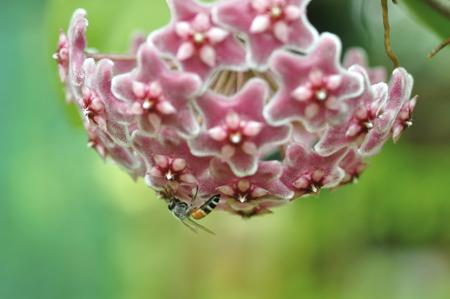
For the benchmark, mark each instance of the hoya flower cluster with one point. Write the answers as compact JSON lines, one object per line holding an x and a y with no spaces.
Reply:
{"x":242,"y":98}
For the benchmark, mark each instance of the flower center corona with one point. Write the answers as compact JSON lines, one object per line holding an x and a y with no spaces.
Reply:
{"x":276,"y":12}
{"x":148,"y":104}
{"x":321,"y":94}
{"x":236,"y":138}
{"x":198,"y":38}
{"x":169,"y":175}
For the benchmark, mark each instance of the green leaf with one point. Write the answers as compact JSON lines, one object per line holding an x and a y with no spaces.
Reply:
{"x":430,"y":17}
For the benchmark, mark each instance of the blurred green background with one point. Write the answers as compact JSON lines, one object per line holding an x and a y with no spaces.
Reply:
{"x":72,"y":226}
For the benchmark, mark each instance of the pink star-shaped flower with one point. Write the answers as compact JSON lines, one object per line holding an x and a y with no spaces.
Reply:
{"x":363,"y":112}
{"x":158,"y":96}
{"x":359,"y":56}
{"x":306,"y":172}
{"x":313,"y":87}
{"x":236,"y":131}
{"x":170,"y":165}
{"x":198,"y":43}
{"x":400,"y":89}
{"x":269,"y":25}
{"x":252,"y":194}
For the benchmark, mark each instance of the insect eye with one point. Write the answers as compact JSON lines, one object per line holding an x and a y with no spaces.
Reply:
{"x":172,"y":205}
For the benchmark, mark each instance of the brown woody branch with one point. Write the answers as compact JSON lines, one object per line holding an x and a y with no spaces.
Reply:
{"x":387,"y":33}
{"x":444,"y":44}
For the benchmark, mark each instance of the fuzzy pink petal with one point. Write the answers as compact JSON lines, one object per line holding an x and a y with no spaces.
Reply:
{"x":150,"y":65}
{"x":236,"y":13}
{"x":180,"y":86}
{"x":185,"y":51}
{"x":295,"y":71}
{"x":149,"y":68}
{"x":204,"y":146}
{"x":123,"y":88}
{"x":243,"y":164}
{"x":186,"y":9}
{"x":77,"y":42}
{"x":230,"y":53}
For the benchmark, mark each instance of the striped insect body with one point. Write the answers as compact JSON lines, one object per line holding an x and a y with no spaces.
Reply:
{"x":186,"y":213}
{"x":206,"y":208}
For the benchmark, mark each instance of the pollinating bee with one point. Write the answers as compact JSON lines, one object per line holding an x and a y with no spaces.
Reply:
{"x":186,"y":212}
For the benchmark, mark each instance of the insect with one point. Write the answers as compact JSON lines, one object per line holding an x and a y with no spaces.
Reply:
{"x":186,"y":213}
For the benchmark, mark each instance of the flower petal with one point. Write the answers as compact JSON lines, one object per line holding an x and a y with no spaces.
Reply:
{"x":227,"y":190}
{"x":183,"y":29}
{"x":217,"y":133}
{"x":228,"y":151}
{"x":250,"y":148}
{"x":166,"y":108}
{"x":302,"y":93}
{"x":260,"y":24}
{"x":188,"y":178}
{"x":178,"y":164}
{"x":161,"y":161}
{"x":292,"y":12}
{"x":260,"y":5}
{"x":208,"y":56}
{"x":232,"y":120}
{"x":217,"y":35}
{"x":253,"y":128}
{"x":201,"y":22}
{"x":185,"y":51}
{"x":281,"y":31}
